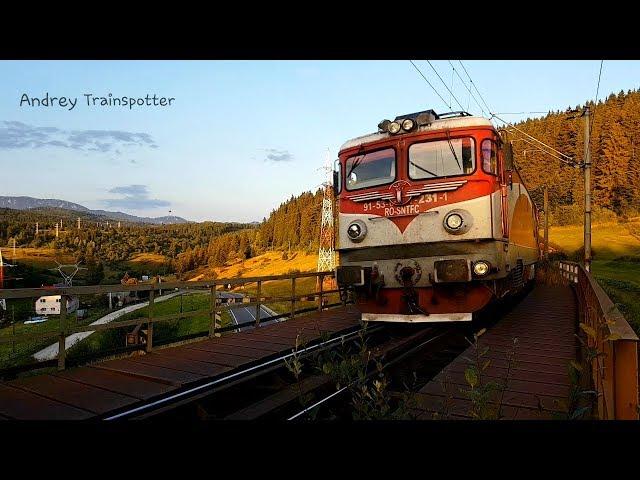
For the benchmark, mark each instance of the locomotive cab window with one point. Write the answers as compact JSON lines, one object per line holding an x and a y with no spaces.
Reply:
{"x":442,"y":158}
{"x":489,"y":156}
{"x":370,"y":169}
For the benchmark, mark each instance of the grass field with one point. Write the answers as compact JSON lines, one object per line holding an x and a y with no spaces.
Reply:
{"x":616,"y":261}
{"x":18,"y":353}
{"x":609,"y":240}
{"x":43,"y":258}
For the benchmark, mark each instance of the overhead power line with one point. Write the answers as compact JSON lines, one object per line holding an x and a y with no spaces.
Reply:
{"x":567,"y":158}
{"x":474,"y":86}
{"x":429,"y":83}
{"x":557,"y":153}
{"x":593,"y":116}
{"x":570,"y":163}
{"x":445,"y":85}
{"x":465,"y":86}
{"x":517,"y":113}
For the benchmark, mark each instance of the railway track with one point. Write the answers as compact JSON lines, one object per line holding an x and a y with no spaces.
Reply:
{"x":408,"y":354}
{"x":269,"y":391}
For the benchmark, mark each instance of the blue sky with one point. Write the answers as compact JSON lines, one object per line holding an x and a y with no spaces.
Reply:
{"x":240,"y":136}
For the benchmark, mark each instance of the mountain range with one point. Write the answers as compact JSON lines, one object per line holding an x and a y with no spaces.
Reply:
{"x":28,"y":203}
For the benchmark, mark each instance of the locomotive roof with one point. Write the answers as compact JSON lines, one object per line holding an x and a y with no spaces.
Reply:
{"x":440,"y":124}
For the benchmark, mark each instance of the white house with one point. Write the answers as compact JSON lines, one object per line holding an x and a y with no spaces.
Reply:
{"x":50,"y":304}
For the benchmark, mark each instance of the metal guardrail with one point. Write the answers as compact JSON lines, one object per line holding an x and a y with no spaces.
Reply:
{"x":615,"y":369}
{"x":215,"y":306}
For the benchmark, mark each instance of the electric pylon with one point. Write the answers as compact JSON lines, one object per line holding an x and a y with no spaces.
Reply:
{"x":326,"y":249}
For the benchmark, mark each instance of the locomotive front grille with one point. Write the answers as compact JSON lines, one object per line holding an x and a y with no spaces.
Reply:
{"x":452,"y":271}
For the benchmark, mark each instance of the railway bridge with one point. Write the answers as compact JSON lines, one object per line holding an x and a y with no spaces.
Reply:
{"x":560,"y":344}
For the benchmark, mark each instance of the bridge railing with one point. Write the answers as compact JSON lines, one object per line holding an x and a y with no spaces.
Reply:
{"x":216,"y":289}
{"x":614,"y":369}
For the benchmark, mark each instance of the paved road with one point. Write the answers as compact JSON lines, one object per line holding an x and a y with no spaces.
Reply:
{"x":51,"y":352}
{"x":241,"y":314}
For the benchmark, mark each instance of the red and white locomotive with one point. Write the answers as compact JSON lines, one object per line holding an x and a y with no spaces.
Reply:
{"x":434,"y":221}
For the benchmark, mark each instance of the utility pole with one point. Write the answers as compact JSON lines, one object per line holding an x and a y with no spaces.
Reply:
{"x":78,"y":223}
{"x":546,"y":223}
{"x":56,"y":230}
{"x":61,"y":227}
{"x":587,"y":193}
{"x":36,"y":228}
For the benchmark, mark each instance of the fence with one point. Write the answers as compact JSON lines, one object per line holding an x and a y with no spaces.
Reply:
{"x":216,"y":306}
{"x":615,"y":367}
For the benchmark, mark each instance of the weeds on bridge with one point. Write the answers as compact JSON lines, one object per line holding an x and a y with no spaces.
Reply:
{"x":582,"y":397}
{"x":356,"y":370}
{"x":295,"y":366}
{"x":486,"y":396}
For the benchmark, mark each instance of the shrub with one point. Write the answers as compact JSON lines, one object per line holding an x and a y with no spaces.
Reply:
{"x":578,"y":255}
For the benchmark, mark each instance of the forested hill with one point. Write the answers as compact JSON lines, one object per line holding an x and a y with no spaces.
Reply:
{"x":100,"y":239}
{"x":294,"y":224}
{"x":615,"y":138}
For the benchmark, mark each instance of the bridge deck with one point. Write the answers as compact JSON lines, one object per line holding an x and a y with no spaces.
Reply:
{"x":538,"y":384}
{"x":96,"y":390}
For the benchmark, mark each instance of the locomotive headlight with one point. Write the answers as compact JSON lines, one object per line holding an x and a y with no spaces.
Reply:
{"x":394,"y":127}
{"x":453,"y":221}
{"x":481,"y":268}
{"x":408,"y":124}
{"x":357,"y":231}
{"x":383,"y":126}
{"x":457,"y":221}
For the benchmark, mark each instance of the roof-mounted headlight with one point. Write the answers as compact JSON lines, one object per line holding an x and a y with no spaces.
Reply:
{"x":394,"y":127}
{"x":383,"y":126}
{"x":408,"y":124}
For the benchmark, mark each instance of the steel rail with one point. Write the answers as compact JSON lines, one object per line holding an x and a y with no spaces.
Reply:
{"x":234,"y":375}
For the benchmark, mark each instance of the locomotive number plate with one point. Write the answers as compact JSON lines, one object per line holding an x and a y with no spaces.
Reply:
{"x":422,"y":204}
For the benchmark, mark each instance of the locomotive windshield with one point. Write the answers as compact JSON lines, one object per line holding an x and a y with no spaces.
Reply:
{"x":442,"y":158}
{"x":371,"y":169}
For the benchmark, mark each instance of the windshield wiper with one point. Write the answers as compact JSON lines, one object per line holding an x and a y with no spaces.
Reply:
{"x":453,"y":150}
{"x":356,"y":163}
{"x":423,"y":169}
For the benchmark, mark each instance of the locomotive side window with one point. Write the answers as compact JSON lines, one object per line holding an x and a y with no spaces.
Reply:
{"x":370,"y":169}
{"x":489,"y":156}
{"x":442,"y":158}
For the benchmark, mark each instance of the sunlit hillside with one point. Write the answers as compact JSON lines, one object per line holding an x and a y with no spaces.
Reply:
{"x":270,"y":263}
